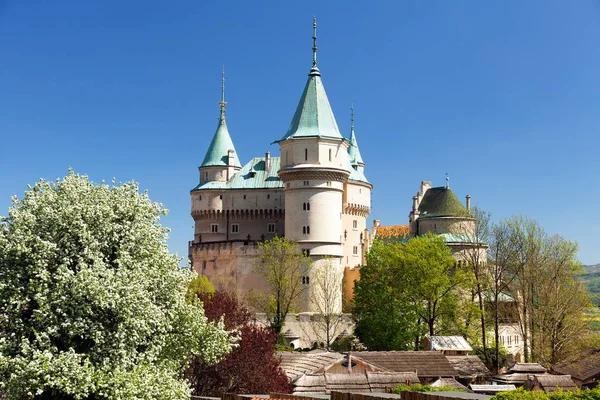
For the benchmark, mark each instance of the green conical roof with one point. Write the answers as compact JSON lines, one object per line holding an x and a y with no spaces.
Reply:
{"x":441,"y":202}
{"x":219,"y":146}
{"x":353,"y":151}
{"x":313,"y":117}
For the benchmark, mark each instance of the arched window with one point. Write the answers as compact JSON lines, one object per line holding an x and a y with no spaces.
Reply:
{"x":304,"y":230}
{"x":307,"y":206}
{"x":304,"y":206}
{"x":308,"y":230}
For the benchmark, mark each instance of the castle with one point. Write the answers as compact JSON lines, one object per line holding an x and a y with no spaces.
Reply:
{"x":315,"y":193}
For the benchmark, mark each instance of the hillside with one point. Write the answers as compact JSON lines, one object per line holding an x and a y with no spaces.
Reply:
{"x":591,"y":278}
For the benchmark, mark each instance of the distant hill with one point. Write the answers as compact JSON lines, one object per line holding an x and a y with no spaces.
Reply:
{"x":590,"y":269}
{"x":591,"y":278}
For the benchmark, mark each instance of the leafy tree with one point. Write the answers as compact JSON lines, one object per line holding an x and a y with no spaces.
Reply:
{"x":252,"y":367}
{"x":384,"y":317}
{"x":325,"y":295}
{"x":198,"y":286}
{"x":92,"y":305}
{"x":431,"y":279}
{"x":282,"y":265}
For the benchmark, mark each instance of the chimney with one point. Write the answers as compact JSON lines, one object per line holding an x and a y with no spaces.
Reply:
{"x":267,"y":160}
{"x":468,"y":202}
{"x":230,"y":157}
{"x":415,"y":199}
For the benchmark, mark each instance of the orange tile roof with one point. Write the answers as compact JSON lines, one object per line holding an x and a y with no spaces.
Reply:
{"x":392,"y":231}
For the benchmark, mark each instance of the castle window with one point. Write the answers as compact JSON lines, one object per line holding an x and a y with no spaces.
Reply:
{"x":204,"y":267}
{"x":329,"y":154}
{"x":305,"y":154}
{"x":306,"y":206}
{"x":355,"y":224}
{"x":200,"y":198}
{"x":355,"y":250}
{"x":206,"y":176}
{"x":244,"y":197}
{"x":271,"y":228}
{"x":221,"y":197}
{"x":214,"y":228}
{"x":306,"y":230}
{"x":305,"y":280}
{"x":268,"y":196}
{"x":329,"y":183}
{"x":305,"y":183}
{"x":306,"y":252}
{"x":235,"y":228}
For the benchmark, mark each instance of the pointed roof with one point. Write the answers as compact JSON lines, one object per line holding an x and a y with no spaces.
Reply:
{"x":313,"y":116}
{"x":217,"y":154}
{"x":219,"y":146}
{"x":353,"y":151}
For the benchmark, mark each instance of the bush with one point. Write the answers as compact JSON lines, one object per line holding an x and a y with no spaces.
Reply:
{"x":521,"y":394}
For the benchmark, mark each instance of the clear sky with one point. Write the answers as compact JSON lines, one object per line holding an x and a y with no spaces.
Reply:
{"x":502,"y":95}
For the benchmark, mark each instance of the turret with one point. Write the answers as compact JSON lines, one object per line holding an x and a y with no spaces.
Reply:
{"x":221,"y":160}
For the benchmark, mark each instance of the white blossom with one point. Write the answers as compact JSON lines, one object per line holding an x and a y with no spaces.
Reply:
{"x":91,"y":301}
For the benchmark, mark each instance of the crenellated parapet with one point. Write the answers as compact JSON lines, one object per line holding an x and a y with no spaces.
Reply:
{"x":357,"y":209}
{"x":250,"y":214}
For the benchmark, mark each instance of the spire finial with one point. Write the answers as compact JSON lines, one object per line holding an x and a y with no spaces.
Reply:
{"x":352,"y":116}
{"x":314,"y":42}
{"x":223,"y":103}
{"x":447,"y":181}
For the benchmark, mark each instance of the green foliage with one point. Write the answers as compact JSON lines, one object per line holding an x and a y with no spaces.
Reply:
{"x":406,"y":290}
{"x":522,"y":394}
{"x":423,"y":387}
{"x":92,"y":305}
{"x":282,"y":264}
{"x":199,"y":286}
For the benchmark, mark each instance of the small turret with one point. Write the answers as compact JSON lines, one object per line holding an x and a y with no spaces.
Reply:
{"x":221,"y":160}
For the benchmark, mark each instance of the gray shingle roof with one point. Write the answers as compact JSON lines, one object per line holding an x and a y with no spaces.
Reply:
{"x":532,"y":368}
{"x":449,"y":343}
{"x":582,"y":369}
{"x":553,"y":383}
{"x":294,"y":364}
{"x":468,"y":366}
{"x":358,"y":382}
{"x":427,"y":364}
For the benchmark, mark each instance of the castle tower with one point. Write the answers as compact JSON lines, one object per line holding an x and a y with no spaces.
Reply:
{"x":356,"y":206}
{"x":221,"y":160}
{"x":314,"y":160}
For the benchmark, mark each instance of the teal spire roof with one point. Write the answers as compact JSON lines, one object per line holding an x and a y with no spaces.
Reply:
{"x":217,"y":154}
{"x":353,"y":151}
{"x":313,"y":116}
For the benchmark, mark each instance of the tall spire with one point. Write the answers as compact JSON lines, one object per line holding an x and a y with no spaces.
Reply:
{"x":313,"y":116}
{"x":222,"y":103}
{"x":353,"y":152}
{"x":218,"y":151}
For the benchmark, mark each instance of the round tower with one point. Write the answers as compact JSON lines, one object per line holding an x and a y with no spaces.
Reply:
{"x":314,"y":159}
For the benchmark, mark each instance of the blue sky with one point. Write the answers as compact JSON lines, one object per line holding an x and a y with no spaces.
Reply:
{"x":502,"y":95}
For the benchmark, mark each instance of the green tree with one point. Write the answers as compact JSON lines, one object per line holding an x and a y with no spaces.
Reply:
{"x":282,"y":264}
{"x":431,"y":280}
{"x":92,"y":305}
{"x":385,"y":319}
{"x":199,"y":286}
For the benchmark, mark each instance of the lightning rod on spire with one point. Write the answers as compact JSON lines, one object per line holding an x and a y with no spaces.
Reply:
{"x":447,"y":181}
{"x":222,"y":103}
{"x":314,"y":42}
{"x":352,"y":116}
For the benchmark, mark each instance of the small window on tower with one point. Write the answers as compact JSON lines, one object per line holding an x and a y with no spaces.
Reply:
{"x":355,"y":224}
{"x":214,"y":228}
{"x":221,"y":197}
{"x":235,"y":228}
{"x":355,"y":250}
{"x":271,"y":228}
{"x":244,"y":197}
{"x":329,"y":154}
{"x":306,"y":252}
{"x":305,"y":183}
{"x":304,"y":206}
{"x":268,"y":196}
{"x":305,"y":154}
{"x":307,"y":206}
{"x":200,"y":198}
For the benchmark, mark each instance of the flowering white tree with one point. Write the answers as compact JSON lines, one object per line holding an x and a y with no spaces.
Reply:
{"x":92,"y":305}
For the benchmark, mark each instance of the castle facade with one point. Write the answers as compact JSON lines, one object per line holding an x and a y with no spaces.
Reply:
{"x":314,"y":193}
